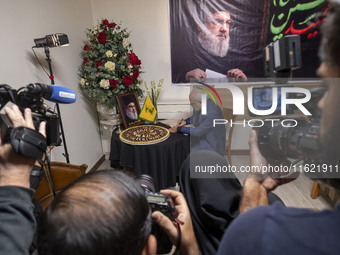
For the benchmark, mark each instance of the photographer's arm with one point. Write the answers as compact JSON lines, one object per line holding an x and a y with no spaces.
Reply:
{"x":257,"y":185}
{"x":16,"y":209}
{"x":254,"y":193}
{"x":14,"y":168}
{"x":188,"y":244}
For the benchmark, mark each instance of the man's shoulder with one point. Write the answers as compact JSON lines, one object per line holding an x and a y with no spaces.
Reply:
{"x":213,"y":106}
{"x":244,"y":233}
{"x":267,"y":229}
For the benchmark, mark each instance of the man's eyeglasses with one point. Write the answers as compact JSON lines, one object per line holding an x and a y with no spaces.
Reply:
{"x":219,"y":22}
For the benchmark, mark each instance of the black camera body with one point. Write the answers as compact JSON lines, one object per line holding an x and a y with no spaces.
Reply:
{"x":162,"y":203}
{"x":158,"y":202}
{"x":297,"y":139}
{"x":23,"y":98}
{"x":52,"y":127}
{"x":296,"y":142}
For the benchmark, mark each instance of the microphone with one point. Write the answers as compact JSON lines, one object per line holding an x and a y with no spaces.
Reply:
{"x":54,"y":40}
{"x":53,"y":93}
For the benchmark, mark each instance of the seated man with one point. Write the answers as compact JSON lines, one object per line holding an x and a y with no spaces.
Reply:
{"x":106,"y":212}
{"x":203,"y":136}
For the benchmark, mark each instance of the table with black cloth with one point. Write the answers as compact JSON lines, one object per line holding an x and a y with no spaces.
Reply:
{"x":162,"y":161}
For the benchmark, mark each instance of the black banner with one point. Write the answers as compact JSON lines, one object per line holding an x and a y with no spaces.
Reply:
{"x":222,"y":35}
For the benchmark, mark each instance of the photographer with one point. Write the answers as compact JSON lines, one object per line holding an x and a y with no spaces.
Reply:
{"x":279,"y":230}
{"x":16,"y":209}
{"x":107,"y":212}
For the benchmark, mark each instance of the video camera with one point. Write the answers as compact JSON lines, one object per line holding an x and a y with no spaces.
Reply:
{"x":31,"y":97}
{"x":299,"y":137}
{"x":296,"y":141}
{"x":158,"y":202}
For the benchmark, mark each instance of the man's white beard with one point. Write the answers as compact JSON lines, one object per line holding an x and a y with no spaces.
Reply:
{"x":132,"y":115}
{"x":212,"y":44}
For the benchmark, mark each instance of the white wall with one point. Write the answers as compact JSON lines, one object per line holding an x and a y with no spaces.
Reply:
{"x":148,"y":21}
{"x":23,"y":21}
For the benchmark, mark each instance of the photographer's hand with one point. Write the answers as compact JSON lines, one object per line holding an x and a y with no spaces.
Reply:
{"x":14,"y":168}
{"x":258,"y":184}
{"x":188,"y":240}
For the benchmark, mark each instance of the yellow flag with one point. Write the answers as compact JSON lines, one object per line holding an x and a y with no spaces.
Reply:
{"x":149,"y":111}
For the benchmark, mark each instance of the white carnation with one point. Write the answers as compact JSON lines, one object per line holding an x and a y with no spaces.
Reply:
{"x":82,"y":81}
{"x":109,"y":65}
{"x":126,"y":43}
{"x":109,"y":54}
{"x":105,"y":84}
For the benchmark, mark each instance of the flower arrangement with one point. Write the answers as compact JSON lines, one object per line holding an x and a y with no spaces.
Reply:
{"x":110,"y":67}
{"x":154,"y":90}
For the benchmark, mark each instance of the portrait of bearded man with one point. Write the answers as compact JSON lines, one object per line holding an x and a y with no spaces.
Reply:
{"x":205,"y":36}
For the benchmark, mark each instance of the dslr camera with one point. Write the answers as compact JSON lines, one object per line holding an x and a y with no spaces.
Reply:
{"x":298,"y":138}
{"x":158,"y":202}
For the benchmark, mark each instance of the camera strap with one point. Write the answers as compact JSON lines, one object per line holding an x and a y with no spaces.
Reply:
{"x":28,"y":142}
{"x":179,"y":239}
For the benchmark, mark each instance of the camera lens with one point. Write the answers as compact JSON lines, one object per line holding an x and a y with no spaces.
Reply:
{"x":147,"y":183}
{"x":289,"y":141}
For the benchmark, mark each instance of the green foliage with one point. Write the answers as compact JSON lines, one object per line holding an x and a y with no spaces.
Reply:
{"x":109,"y":67}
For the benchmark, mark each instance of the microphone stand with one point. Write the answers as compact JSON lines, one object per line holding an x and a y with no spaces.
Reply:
{"x":48,"y":59}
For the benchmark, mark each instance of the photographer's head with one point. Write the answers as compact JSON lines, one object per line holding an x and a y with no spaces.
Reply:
{"x":330,"y":104}
{"x":101,"y":213}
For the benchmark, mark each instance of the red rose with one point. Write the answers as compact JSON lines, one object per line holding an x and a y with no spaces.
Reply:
{"x":113,"y":83}
{"x":134,"y":60}
{"x":113,"y":25}
{"x":86,"y":47}
{"x":85,"y":61}
{"x":102,"y":37}
{"x":105,"y":22}
{"x":127,"y":81}
{"x":135,"y":74}
{"x":99,"y":63}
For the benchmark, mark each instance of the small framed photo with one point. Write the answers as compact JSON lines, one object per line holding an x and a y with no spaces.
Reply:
{"x":130,"y":109}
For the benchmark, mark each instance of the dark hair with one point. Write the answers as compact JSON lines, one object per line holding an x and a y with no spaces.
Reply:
{"x":105,"y":212}
{"x":329,"y":51}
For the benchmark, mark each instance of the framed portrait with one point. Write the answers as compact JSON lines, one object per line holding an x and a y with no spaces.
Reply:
{"x":130,"y":109}
{"x":216,"y":36}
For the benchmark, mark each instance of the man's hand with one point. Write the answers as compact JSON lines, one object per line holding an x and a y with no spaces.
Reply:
{"x":188,"y":241}
{"x":14,"y":168}
{"x":181,"y":123}
{"x":173,"y":129}
{"x":271,"y":181}
{"x":197,"y":74}
{"x":236,"y":73}
{"x":259,"y":183}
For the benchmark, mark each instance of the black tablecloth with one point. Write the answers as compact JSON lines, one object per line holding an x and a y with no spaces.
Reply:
{"x":162,"y":161}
